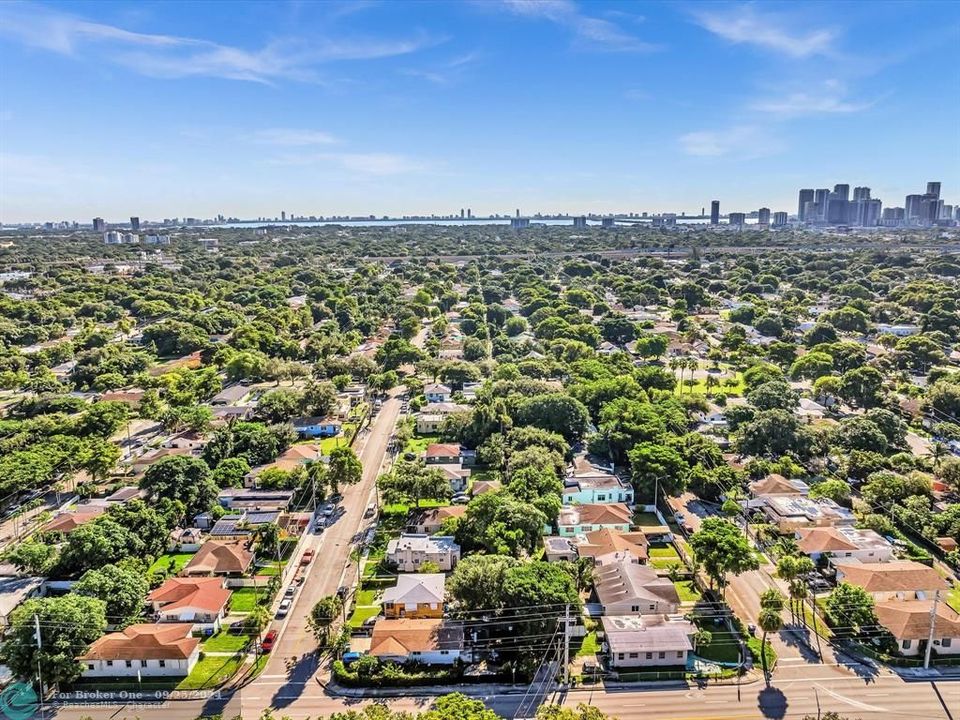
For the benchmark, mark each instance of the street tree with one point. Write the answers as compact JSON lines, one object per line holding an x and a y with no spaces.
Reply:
{"x":719,"y":548}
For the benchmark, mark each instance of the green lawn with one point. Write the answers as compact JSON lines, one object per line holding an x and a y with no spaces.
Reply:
{"x":646,"y":519}
{"x":953,"y":597}
{"x":244,"y":599}
{"x":664,"y":556}
{"x":211,"y":672}
{"x":687,"y":591}
{"x":367,"y":597}
{"x":418,"y":444}
{"x":723,"y":646}
{"x":162,"y":563}
{"x":224,"y":641}
{"x":273,"y":568}
{"x":590,"y":645}
{"x":361,"y":613}
{"x":329,"y":443}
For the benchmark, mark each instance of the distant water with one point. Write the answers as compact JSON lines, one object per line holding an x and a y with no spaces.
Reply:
{"x":644,"y":222}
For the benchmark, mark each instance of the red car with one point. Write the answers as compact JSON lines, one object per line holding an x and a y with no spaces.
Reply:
{"x":307,"y":557}
{"x":268,"y":640}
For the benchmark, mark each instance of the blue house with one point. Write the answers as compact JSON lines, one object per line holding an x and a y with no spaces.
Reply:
{"x":314,"y":427}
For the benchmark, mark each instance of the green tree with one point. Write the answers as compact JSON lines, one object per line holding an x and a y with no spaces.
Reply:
{"x":412,"y":481}
{"x":122,"y":590}
{"x":770,"y":621}
{"x":652,"y":463}
{"x":499,"y":524}
{"x":719,"y":548}
{"x":186,"y":479}
{"x":850,"y":610}
{"x":861,"y":386}
{"x":68,"y":624}
{"x":344,"y":467}
{"x":457,"y":706}
{"x":324,"y":612}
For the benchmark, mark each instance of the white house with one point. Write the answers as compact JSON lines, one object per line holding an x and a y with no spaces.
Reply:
{"x":437,"y":393}
{"x":627,"y":588}
{"x":588,"y":484}
{"x":417,"y":595}
{"x":147,"y":650}
{"x":895,"y":580}
{"x":409,"y":551}
{"x":909,"y":622}
{"x":634,"y":641}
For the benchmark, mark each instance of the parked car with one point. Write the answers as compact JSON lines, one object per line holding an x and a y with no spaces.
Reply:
{"x":342,"y":591}
{"x":291,"y":589}
{"x":307,"y":557}
{"x":328,"y":510}
{"x":237,"y":628}
{"x":370,"y":511}
{"x":284,"y":608}
{"x":268,"y":640}
{"x":460,"y":499}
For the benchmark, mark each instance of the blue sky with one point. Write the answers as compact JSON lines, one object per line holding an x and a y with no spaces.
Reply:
{"x":177,"y":109}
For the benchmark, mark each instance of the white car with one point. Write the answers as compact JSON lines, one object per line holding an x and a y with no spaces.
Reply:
{"x":284,"y":608}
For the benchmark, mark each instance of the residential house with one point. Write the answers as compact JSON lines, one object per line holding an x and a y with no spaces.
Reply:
{"x":909,"y":622}
{"x":626,"y":588}
{"x":448,"y":454}
{"x":432,"y":416}
{"x":789,"y":513}
{"x":231,"y":527}
{"x":411,"y":550}
{"x":424,"y":640}
{"x":184,"y":540}
{"x":200,"y":601}
{"x":14,"y":591}
{"x":231,"y":395}
{"x":809,"y":410}
{"x":187,"y":440}
{"x":610,"y":546}
{"x":223,"y":415}
{"x":776,"y":484}
{"x":588,"y":484}
{"x":291,"y":459}
{"x":125,"y":495}
{"x":895,"y":580}
{"x":146,"y":650}
{"x":647,"y":640}
{"x":581,"y":519}
{"x":437,"y":393}
{"x":219,"y":557}
{"x":428,"y":522}
{"x":66,"y":522}
{"x":141,"y":463}
{"x":314,"y":427}
{"x":844,"y":543}
{"x":480,"y":487}
{"x":418,"y":595}
{"x":559,"y":548}
{"x":254,"y":499}
{"x":131,"y":397}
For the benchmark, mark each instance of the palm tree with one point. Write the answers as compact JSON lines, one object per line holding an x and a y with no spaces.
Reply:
{"x":692,"y":365}
{"x":787,"y":570}
{"x":675,"y":364}
{"x":937,"y":451}
{"x":770,"y":621}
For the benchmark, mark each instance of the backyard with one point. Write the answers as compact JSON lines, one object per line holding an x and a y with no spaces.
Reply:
{"x":245,"y":599}
{"x":418,"y":444}
{"x":663,"y":557}
{"x":169,"y":563}
{"x":225,"y":641}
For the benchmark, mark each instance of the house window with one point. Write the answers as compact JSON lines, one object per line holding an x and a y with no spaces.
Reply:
{"x":89,"y":666}
{"x":415,"y":652}
{"x":143,"y":663}
{"x":946,"y":642}
{"x":906,"y":644}
{"x":649,"y":656}
{"x":679,"y":653}
{"x":653,"y":606}
{"x":163,"y":663}
{"x":661,"y":654}
{"x":634,"y":608}
{"x":619,"y":656}
{"x":444,"y":652}
{"x":129,"y":663}
{"x":634,"y":655}
{"x":109,"y":663}
{"x":601,"y":498}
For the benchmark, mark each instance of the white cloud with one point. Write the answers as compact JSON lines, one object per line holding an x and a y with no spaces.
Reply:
{"x":592,"y":32}
{"x":744,"y":142}
{"x":744,"y":25}
{"x":166,"y":56}
{"x":829,"y":99}
{"x":291,"y":137}
{"x":445,"y":73}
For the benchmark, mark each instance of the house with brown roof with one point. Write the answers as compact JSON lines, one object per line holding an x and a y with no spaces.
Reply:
{"x":607,"y":546}
{"x":626,"y":588}
{"x":293,"y":458}
{"x":201,"y":601}
{"x":776,"y":484}
{"x":843,"y":543}
{"x":66,"y":522}
{"x":428,"y":522}
{"x":140,"y":464}
{"x":480,"y":487}
{"x":909,"y":622}
{"x":217,"y":557}
{"x":896,"y":580}
{"x":148,"y":650}
{"x":427,"y":641}
{"x":582,"y":519}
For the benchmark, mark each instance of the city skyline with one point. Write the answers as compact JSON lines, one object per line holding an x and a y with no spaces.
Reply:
{"x":118,"y":109}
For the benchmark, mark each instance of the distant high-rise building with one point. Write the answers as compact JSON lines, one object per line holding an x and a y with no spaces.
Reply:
{"x":607,"y":222}
{"x":806,"y":196}
{"x":892,"y":217}
{"x":461,"y":214}
{"x":469,"y":213}
{"x":763,"y":216}
{"x":821,"y":196}
{"x":715,"y":212}
{"x":519,"y":223}
{"x":866,"y":213}
{"x":842,"y":191}
{"x":134,"y":223}
{"x":518,"y":212}
{"x":779,"y":219}
{"x":861,"y":193}
{"x":911,"y":206}
{"x":837,"y":210}
{"x":283,"y":214}
{"x":946,"y":212}
{"x":113,"y":238}
{"x":99,"y":224}
{"x":580,"y":221}
{"x":737,"y":219}
{"x":933,"y":188}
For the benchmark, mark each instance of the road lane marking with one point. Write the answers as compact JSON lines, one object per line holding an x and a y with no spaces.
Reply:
{"x":855,"y":703}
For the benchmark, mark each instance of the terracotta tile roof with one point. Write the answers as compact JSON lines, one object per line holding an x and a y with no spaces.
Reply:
{"x":219,"y":557}
{"x":443,"y":450}
{"x":603,"y":542}
{"x":201,"y":593}
{"x":774,"y":484}
{"x":480,"y":487}
{"x":163,"y":641}
{"x":67,"y":522}
{"x":838,"y":539}
{"x":910,"y":619}
{"x":896,"y":576}
{"x":612,"y":514}
{"x":404,"y":636}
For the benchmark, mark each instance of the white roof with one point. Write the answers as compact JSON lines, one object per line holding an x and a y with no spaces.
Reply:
{"x":413,"y":589}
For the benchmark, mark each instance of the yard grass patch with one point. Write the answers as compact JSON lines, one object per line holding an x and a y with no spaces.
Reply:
{"x":953,"y":598}
{"x":687,"y":590}
{"x":418,"y":444}
{"x":361,"y":613}
{"x":162,"y":563}
{"x":646,"y":519}
{"x":590,"y":645}
{"x":664,"y":556}
{"x":224,"y":641}
{"x":723,"y":647}
{"x":211,"y":672}
{"x":245,"y":599}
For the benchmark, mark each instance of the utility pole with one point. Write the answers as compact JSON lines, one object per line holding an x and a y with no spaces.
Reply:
{"x":933,"y":623}
{"x":566,"y":646}
{"x":36,"y":625}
